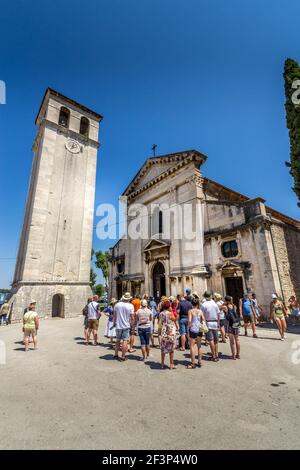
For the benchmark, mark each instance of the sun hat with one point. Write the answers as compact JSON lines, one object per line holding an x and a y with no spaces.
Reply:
{"x":113,"y":301}
{"x":217,"y":296}
{"x":127,"y":296}
{"x":196,"y":295}
{"x":207,"y":294}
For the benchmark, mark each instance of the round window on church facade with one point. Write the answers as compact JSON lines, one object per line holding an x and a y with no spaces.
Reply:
{"x":230,"y":249}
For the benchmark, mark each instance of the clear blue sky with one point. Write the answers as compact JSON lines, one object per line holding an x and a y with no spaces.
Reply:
{"x":179,"y":73}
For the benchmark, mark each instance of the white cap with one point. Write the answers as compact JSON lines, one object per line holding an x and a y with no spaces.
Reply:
{"x":274,"y":296}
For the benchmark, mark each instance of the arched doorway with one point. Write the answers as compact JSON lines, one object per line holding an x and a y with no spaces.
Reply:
{"x":159,"y":280}
{"x":58,"y":306}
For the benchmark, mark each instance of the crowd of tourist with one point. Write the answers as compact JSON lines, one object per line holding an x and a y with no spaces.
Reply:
{"x":182,"y":322}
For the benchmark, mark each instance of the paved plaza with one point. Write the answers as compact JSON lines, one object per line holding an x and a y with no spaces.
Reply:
{"x":66,"y":395}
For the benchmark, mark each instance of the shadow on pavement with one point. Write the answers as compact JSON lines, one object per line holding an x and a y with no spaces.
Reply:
{"x":181,"y":363}
{"x":107,"y":357}
{"x":153,"y":365}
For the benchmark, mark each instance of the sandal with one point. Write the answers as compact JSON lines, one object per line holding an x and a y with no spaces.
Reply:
{"x":190,"y":366}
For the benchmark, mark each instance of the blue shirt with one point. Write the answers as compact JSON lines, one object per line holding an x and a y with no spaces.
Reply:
{"x":153,"y":306}
{"x":110,"y":312}
{"x":246,"y":303}
{"x":184,"y":307}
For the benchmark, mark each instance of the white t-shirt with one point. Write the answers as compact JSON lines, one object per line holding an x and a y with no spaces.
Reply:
{"x":123,"y":310}
{"x":143,"y":315}
{"x":93,"y":313}
{"x":211,"y":312}
{"x":222,"y":313}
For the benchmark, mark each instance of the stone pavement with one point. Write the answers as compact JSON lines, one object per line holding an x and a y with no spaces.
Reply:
{"x":66,"y":395}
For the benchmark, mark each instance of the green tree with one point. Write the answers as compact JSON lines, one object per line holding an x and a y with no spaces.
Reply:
{"x":291,"y":74}
{"x":102,"y":262}
{"x":93,"y":278}
{"x":100,"y":290}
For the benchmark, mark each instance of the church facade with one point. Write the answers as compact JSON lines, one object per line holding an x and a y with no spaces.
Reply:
{"x":239,"y":244}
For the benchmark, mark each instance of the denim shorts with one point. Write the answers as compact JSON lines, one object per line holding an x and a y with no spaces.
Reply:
{"x":122,"y":333}
{"x":183,"y":326}
{"x":212,"y":335}
{"x":144,"y":334}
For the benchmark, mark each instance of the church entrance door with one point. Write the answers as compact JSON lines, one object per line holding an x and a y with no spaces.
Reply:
{"x":119,"y":290}
{"x":234,"y":287}
{"x":159,"y":281}
{"x":58,"y":306}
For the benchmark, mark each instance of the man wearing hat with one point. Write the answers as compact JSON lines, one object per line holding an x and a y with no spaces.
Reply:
{"x":123,"y":316}
{"x":248,"y":312}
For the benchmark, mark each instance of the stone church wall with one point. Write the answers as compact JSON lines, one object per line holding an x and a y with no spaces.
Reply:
{"x":287,"y":248}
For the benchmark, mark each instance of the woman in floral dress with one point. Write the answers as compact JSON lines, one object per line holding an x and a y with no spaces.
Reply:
{"x":168,"y":333}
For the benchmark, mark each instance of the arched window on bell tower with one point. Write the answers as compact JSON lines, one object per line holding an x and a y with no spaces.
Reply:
{"x":84,"y":126}
{"x":64,"y":117}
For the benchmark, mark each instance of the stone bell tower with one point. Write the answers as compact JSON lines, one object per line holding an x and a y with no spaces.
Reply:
{"x":53,"y":264}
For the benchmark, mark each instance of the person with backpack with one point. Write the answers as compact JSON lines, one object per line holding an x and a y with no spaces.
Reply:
{"x":85,"y":321}
{"x":196,"y":325}
{"x":232,"y":326}
{"x":248,"y":312}
{"x":93,"y":320}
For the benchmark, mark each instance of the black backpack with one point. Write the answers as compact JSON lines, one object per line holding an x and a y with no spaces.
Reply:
{"x":85,"y":311}
{"x":233,"y":318}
